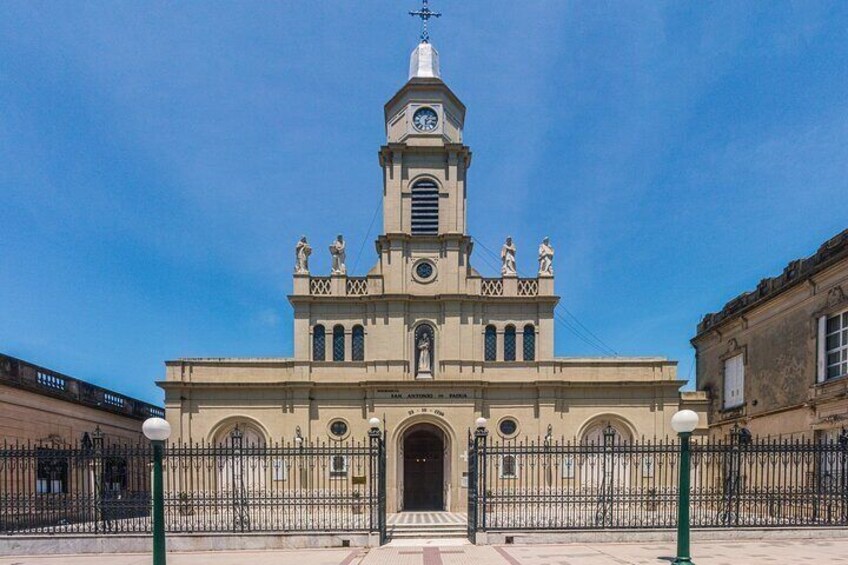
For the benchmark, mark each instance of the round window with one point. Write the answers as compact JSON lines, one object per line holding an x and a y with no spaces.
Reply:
{"x":338,"y":428}
{"x":508,"y":426}
{"x":424,"y":270}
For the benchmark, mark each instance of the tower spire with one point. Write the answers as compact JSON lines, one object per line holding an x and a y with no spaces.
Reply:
{"x":425,"y":13}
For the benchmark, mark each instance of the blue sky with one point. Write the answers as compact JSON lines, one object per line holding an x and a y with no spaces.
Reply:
{"x":159,"y":160}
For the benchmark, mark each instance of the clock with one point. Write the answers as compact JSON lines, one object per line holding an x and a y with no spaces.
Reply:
{"x":425,"y":119}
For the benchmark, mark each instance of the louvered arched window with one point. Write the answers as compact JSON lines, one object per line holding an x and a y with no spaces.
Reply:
{"x":319,"y":340}
{"x":509,"y":343}
{"x":425,"y":208}
{"x":529,"y":342}
{"x":491,"y":345}
{"x":338,"y":343}
{"x":357,"y":348}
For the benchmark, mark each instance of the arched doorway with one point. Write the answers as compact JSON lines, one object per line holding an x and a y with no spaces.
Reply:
{"x":424,"y":468}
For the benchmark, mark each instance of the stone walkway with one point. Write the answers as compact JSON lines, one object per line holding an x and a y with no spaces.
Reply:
{"x":789,"y":552}
{"x":426,"y":518}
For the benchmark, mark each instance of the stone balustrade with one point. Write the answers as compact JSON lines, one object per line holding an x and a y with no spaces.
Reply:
{"x":20,"y":374}
{"x":498,"y":287}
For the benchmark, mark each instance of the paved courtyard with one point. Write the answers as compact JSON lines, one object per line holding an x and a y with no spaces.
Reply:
{"x":454,"y":552}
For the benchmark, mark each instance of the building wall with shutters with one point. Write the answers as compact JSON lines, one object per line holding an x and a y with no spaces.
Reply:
{"x":781,"y":340}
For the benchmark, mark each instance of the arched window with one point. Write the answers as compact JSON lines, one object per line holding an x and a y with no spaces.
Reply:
{"x":491,"y":345}
{"x":529,"y":342}
{"x":338,"y":343}
{"x":509,"y":343}
{"x":425,"y":208}
{"x":319,"y":341}
{"x":358,"y":344}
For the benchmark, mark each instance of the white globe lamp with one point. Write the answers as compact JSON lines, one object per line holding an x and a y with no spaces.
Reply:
{"x":684,"y":422}
{"x":156,"y":429}
{"x":481,"y":423}
{"x":374,"y":423}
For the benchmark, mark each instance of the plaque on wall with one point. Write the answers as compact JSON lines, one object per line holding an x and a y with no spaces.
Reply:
{"x":358,"y":480}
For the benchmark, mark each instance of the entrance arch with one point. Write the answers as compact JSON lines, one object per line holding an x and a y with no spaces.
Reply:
{"x":425,"y":467}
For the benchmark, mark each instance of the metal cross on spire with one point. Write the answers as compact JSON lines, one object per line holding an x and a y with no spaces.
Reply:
{"x":425,"y":13}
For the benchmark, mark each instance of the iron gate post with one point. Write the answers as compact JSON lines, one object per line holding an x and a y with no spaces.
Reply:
{"x":378,"y":452}
{"x":480,"y":435}
{"x":471,"y":487}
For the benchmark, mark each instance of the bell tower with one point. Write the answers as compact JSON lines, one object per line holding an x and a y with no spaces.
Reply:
{"x":425,"y":164}
{"x":424,"y":123}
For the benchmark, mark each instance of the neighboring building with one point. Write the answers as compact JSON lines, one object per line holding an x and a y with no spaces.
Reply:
{"x":423,"y":342}
{"x":775,"y":359}
{"x":49,"y":409}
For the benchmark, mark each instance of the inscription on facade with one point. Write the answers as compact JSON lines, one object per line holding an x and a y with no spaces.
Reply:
{"x":396,"y":394}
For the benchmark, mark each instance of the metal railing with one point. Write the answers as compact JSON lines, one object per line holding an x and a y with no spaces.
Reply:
{"x":91,"y":488}
{"x":548,"y":484}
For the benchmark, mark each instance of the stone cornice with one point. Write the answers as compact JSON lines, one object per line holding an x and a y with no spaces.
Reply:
{"x":796,"y":272}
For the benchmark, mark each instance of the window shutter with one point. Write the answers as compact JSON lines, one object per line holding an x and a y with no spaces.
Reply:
{"x":734,"y":381}
{"x":821,"y":368}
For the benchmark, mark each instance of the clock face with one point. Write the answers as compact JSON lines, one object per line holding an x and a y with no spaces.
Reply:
{"x":425,"y":119}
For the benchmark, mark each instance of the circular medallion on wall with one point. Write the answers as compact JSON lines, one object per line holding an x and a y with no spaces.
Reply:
{"x":338,"y":429}
{"x":424,"y":271}
{"x":508,"y":427}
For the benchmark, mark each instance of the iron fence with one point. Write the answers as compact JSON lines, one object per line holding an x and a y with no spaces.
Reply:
{"x":548,"y":484}
{"x":302,"y":486}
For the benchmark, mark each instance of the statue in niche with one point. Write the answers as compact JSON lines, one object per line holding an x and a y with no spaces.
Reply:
{"x":424,"y":351}
{"x":546,"y":258}
{"x":508,"y":258}
{"x":302,"y":251}
{"x":337,"y":252}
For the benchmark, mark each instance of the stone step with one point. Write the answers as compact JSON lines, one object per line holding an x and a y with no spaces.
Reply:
{"x":427,"y":534}
{"x":407,"y":531}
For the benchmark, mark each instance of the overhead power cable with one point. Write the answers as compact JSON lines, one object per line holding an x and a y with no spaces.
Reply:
{"x":576,"y":327}
{"x":367,"y":235}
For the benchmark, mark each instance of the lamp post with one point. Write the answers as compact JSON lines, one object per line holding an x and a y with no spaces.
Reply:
{"x":684,"y":423}
{"x":158,"y":431}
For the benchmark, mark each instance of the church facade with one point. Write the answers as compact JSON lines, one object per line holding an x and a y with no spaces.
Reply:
{"x":423,"y":342}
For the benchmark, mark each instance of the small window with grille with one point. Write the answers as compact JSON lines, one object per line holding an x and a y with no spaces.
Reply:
{"x":318,"y":343}
{"x":338,"y":343}
{"x":51,"y":473}
{"x":529,"y":342}
{"x":491,"y":344}
{"x":358,"y":343}
{"x":508,"y":467}
{"x":338,"y":466}
{"x":509,"y":343}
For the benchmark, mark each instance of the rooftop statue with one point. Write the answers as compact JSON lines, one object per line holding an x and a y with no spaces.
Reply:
{"x":302,"y":251}
{"x":337,"y":253}
{"x":546,"y":258}
{"x":508,"y":258}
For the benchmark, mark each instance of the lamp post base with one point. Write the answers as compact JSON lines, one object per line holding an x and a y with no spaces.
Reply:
{"x":682,"y":561}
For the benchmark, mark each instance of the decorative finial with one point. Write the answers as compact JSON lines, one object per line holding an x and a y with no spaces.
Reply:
{"x":425,"y":13}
